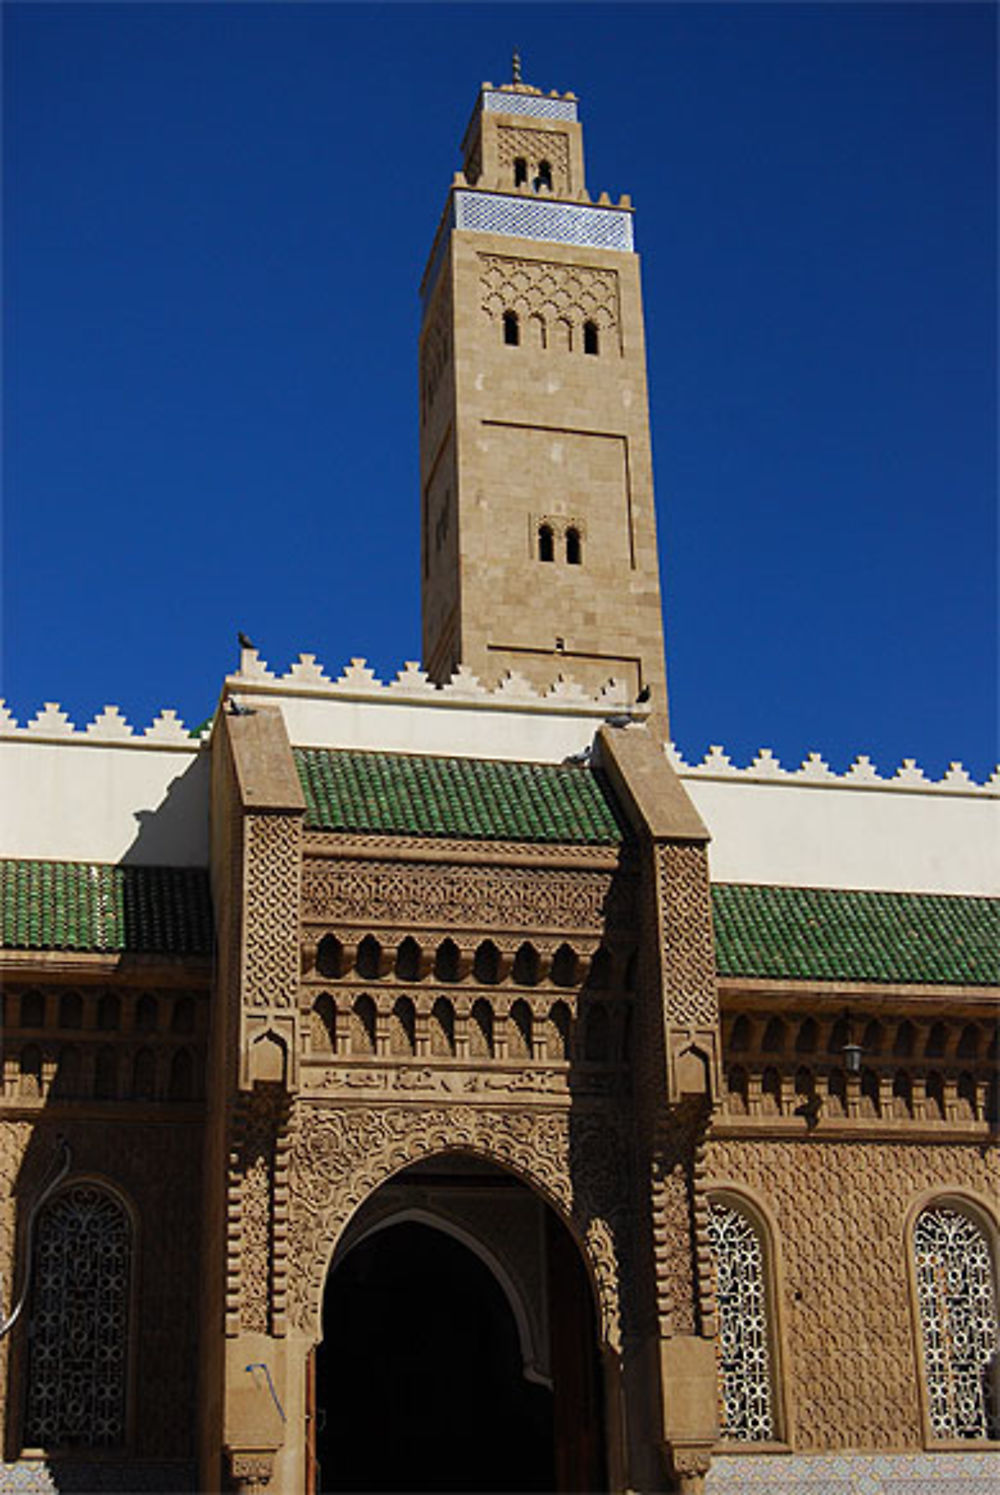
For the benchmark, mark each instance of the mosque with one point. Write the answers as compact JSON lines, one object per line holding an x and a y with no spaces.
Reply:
{"x":441,"y":1085}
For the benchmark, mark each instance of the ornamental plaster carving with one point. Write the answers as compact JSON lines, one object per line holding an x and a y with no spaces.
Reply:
{"x":578,"y":1164}
{"x":841,"y":1211}
{"x":687,"y":931}
{"x":271,"y":953}
{"x":535,"y":146}
{"x":383,"y":892}
{"x":551,"y":291}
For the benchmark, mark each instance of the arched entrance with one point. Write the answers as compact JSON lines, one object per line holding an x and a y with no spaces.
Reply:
{"x":459,"y":1343}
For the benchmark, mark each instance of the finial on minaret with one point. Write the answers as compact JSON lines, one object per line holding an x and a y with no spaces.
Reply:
{"x":515,"y":68}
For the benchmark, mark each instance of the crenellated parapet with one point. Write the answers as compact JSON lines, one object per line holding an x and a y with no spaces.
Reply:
{"x":766,"y":767}
{"x":110,"y":725}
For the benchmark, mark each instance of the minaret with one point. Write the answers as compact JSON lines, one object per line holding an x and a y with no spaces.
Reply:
{"x":538,"y":526}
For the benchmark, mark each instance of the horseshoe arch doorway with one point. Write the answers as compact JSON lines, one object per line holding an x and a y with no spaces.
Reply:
{"x":459,"y":1348}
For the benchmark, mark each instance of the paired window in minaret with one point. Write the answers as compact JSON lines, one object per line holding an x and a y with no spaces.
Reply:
{"x":572,"y":541}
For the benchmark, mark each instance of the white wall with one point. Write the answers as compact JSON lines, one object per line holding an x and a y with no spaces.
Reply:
{"x":106,"y":794}
{"x":838,"y":835}
{"x":100,"y":802}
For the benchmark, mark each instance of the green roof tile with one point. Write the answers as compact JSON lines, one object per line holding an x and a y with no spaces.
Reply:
{"x":96,"y":907}
{"x":481,"y":800}
{"x":827,"y":934}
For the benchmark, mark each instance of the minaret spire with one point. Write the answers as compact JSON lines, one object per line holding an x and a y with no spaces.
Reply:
{"x":515,"y":68}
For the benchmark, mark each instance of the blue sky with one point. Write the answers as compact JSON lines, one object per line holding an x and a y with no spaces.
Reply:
{"x":215,"y":221}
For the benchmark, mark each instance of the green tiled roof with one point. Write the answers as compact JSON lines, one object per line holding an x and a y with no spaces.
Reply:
{"x":92,"y":906}
{"x":406,"y":794}
{"x":825,"y":934}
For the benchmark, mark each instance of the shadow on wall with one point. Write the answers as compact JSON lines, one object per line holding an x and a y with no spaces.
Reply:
{"x":175,"y":834}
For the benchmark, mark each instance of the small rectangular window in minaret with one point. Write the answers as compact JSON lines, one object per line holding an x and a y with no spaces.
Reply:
{"x":590,"y":341}
{"x":511,"y":330}
{"x":520,"y":171}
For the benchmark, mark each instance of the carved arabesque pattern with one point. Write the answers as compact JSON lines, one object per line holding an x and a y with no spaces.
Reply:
{"x":845,"y":1282}
{"x":535,"y":146}
{"x":271,"y":955}
{"x":569,"y":293}
{"x":692,"y":1000}
{"x":579,"y":1164}
{"x":958,"y":1320}
{"x":375,"y":892}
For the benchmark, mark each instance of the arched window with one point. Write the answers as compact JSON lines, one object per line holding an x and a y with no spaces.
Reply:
{"x":746,"y":1392}
{"x":32,"y":1010}
{"x":70,"y":1010}
{"x":956,"y":1297}
{"x":181,"y":1084}
{"x":408,"y":960}
{"x":330,"y":957}
{"x":182,"y":1018}
{"x":511,"y":329}
{"x":446,"y":961}
{"x":590,"y":337}
{"x":574,"y":547}
{"x":368,"y":961}
{"x":78,"y":1344}
{"x":520,"y":171}
{"x":323,"y":1027}
{"x":525,"y":968}
{"x":486,"y":963}
{"x":442,"y":1028}
{"x":109,"y":1012}
{"x":546,"y":543}
{"x":543,"y":181}
{"x":144,"y":1075}
{"x":146,"y":1013}
{"x":564,"y":966}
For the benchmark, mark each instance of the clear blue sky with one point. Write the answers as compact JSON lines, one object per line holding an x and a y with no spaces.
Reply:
{"x":215,"y":221}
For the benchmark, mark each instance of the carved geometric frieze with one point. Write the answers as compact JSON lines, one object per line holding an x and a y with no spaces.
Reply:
{"x":271,"y":922}
{"x":534,"y":146}
{"x":385,"y":892}
{"x":552,"y":292}
{"x":692,"y":1000}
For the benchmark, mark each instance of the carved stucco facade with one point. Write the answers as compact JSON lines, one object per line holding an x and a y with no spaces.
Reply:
{"x":320,"y":1113}
{"x":841,"y":1213}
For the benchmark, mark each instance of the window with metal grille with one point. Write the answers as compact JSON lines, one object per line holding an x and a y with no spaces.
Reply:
{"x":79,"y":1337}
{"x":956,"y":1295}
{"x":746,"y":1396}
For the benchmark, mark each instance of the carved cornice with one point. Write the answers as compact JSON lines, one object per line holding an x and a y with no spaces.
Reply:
{"x":324,"y":845}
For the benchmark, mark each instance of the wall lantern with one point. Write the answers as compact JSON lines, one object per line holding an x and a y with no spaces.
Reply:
{"x":851,"y":1051}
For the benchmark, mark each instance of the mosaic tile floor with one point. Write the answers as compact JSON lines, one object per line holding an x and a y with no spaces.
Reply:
{"x":857,"y":1474}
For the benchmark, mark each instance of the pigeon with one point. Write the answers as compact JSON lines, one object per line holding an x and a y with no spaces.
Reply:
{"x":621,"y":720}
{"x":235,"y":709}
{"x":643,"y":696}
{"x":245,"y":643}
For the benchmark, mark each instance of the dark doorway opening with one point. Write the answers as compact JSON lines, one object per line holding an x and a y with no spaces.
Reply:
{"x":419,"y":1378}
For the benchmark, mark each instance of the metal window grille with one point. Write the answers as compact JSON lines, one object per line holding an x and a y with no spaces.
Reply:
{"x":958,"y":1321}
{"x":744,"y":1358}
{"x":536,"y":105}
{"x":78,"y":1345}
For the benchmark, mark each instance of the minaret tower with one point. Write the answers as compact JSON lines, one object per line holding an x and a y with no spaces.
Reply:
{"x":538,"y":526}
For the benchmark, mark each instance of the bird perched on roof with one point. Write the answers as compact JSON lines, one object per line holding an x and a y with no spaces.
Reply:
{"x":643,"y":696}
{"x":245,"y":643}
